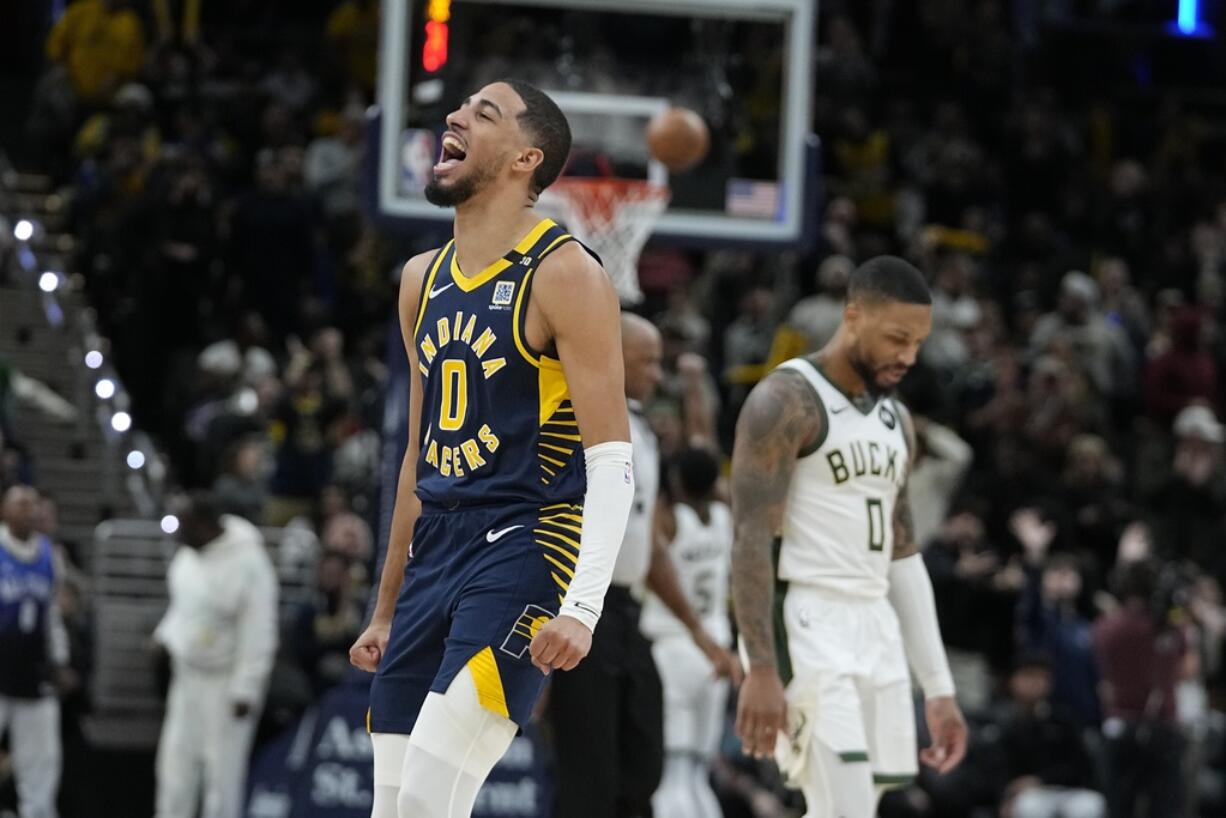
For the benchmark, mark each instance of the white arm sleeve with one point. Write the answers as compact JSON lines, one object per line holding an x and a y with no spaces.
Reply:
{"x":606,"y":507}
{"x":913,"y":601}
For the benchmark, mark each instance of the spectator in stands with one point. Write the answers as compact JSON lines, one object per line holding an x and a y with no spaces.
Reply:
{"x":942,"y":459}
{"x":1091,"y":495}
{"x":1188,"y":507}
{"x":242,"y":487}
{"x":975,"y":596}
{"x":747,"y":341}
{"x":1050,"y":620}
{"x":101,"y":43}
{"x":1183,"y":374}
{"x":1100,"y":345}
{"x":817,"y":317}
{"x":683,"y":322}
{"x":220,"y":632}
{"x":1141,"y":657}
{"x":954,"y":312}
{"x":1044,"y":760}
{"x":332,"y":166}
{"x":1123,"y":304}
{"x":33,"y":653}
{"x":325,"y":627}
{"x":303,"y":458}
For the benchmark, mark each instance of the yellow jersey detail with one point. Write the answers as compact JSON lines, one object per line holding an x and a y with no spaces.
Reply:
{"x":489,"y":682}
{"x":546,"y":533}
{"x":552,"y":387}
{"x":470,"y":283}
{"x":421,"y":308}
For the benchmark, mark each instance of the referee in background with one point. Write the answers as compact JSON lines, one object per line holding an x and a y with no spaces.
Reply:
{"x":607,"y":714}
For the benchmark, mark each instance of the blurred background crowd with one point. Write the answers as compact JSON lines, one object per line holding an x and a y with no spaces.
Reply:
{"x":1066,"y":199}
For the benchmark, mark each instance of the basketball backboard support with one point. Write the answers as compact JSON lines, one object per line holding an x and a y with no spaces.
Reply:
{"x":746,"y":66}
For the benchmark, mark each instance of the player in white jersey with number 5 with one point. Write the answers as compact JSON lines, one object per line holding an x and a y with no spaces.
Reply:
{"x":698,"y":531}
{"x":821,"y":462}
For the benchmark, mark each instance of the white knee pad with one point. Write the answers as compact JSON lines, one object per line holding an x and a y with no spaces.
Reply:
{"x":453,"y":747}
{"x":455,"y":728}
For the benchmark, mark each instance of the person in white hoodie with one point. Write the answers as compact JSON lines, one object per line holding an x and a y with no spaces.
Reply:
{"x":221,"y":634}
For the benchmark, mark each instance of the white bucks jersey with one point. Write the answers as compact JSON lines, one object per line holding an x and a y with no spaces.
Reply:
{"x":838,"y":531}
{"x":702,"y":555}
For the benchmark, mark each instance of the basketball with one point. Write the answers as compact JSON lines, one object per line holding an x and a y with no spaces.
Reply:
{"x":678,"y":138}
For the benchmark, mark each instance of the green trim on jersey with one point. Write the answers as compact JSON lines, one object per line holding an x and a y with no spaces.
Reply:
{"x":783,"y":656}
{"x":821,"y":404}
{"x":855,"y":402}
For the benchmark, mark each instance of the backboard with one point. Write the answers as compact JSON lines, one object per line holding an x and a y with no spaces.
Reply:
{"x":746,"y":66}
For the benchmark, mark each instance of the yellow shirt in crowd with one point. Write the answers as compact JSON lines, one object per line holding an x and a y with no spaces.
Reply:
{"x":101,"y":47}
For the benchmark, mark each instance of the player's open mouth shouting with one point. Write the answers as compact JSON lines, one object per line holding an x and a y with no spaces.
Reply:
{"x":453,"y":152}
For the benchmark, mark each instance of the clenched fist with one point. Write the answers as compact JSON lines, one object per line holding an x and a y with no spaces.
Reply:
{"x":560,"y":644}
{"x":367,"y":651}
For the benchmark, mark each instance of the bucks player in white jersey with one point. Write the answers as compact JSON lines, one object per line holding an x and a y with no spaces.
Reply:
{"x":697,"y":529}
{"x":821,"y":461}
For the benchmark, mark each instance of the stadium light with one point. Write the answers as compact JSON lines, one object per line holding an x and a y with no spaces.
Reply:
{"x":136,"y":459}
{"x":48,"y":282}
{"x":1188,"y":14}
{"x":93,"y":359}
{"x":23,"y":230}
{"x":121,"y":421}
{"x":105,"y":389}
{"x":170,"y":524}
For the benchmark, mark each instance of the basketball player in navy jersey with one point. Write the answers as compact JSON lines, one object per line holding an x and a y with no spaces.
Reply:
{"x":517,"y":481}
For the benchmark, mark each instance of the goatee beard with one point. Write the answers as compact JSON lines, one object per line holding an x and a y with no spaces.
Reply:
{"x":461,"y":191}
{"x":441,"y":196}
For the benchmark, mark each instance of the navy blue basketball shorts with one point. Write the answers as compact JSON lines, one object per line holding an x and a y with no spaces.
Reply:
{"x":481,"y":582}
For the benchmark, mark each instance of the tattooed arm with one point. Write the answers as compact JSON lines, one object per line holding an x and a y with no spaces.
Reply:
{"x":904,"y":525}
{"x":779,"y":419}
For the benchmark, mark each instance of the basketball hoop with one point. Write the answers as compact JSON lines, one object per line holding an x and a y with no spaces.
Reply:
{"x":612,"y":216}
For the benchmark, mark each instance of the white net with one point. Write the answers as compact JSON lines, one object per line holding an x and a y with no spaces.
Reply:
{"x":612,"y":216}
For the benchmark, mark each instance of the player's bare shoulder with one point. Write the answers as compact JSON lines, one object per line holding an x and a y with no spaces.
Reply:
{"x":570,"y":270}
{"x":412,"y":277}
{"x":572,"y":291}
{"x":781,"y":412}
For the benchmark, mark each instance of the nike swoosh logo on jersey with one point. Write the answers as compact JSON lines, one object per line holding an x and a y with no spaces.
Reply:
{"x":839,"y":410}
{"x":443,"y":289}
{"x":495,"y":536}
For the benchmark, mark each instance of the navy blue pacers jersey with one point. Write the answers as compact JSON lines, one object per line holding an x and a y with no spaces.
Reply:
{"x":26,"y":589}
{"x":497,"y":422}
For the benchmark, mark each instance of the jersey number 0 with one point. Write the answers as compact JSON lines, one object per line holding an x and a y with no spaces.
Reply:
{"x":454,"y":407}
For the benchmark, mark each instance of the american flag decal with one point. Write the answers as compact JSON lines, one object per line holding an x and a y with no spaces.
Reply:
{"x":754,"y":200}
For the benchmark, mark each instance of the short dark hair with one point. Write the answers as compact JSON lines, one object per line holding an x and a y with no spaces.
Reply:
{"x":548,"y":129}
{"x":697,"y":470}
{"x":203,"y":506}
{"x":888,"y":278}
